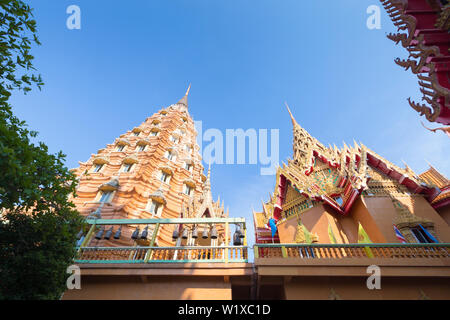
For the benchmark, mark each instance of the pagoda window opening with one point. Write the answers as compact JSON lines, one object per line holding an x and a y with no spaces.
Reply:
{"x":154,"y":133}
{"x":187,"y":189}
{"x":141,"y":147}
{"x":105,"y":196}
{"x":188,"y":166}
{"x":170,"y":155}
{"x":155,"y":208}
{"x":127,"y":167}
{"x":136,"y":133}
{"x":173,"y":139}
{"x":97,"y":168}
{"x":165,"y":177}
{"x":120,"y":147}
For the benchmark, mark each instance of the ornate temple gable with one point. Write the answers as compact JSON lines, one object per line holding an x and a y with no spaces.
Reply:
{"x":337,"y":176}
{"x":405,"y":177}
{"x":423,"y":30}
{"x":319,"y":173}
{"x":203,"y":206}
{"x":293,"y":197}
{"x":381,"y":184}
{"x":306,"y":148}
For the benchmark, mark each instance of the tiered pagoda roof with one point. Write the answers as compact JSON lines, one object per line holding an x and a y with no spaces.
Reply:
{"x":185,"y":194}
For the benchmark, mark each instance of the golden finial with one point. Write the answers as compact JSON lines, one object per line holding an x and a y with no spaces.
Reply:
{"x":188,"y":89}
{"x":290,"y":113}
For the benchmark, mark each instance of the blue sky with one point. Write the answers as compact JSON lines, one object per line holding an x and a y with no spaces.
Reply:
{"x":244,"y":59}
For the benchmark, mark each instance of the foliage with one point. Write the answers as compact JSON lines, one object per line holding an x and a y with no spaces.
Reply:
{"x":38,"y":224}
{"x":16,"y":25}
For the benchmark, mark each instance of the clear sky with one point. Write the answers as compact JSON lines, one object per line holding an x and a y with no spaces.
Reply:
{"x":244,"y":59}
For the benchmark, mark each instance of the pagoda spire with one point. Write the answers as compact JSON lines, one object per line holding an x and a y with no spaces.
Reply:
{"x":184,"y":100}
{"x":303,"y":144}
{"x":296,"y":127}
{"x":294,"y":122}
{"x":208,"y":179}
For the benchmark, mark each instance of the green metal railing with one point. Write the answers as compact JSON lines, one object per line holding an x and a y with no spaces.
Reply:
{"x":135,"y":253}
{"x":353,"y":250}
{"x":165,"y":221}
{"x":143,"y":254}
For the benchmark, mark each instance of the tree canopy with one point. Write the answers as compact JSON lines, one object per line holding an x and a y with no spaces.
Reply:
{"x":38,"y":224}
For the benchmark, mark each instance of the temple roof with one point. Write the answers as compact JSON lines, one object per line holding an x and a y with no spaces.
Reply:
{"x":434,"y":177}
{"x":336,"y":176}
{"x":259,"y":218}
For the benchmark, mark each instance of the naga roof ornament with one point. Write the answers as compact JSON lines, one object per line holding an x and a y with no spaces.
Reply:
{"x":423,"y":30}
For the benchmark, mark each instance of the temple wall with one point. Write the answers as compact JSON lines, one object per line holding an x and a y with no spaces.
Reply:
{"x":381,"y":210}
{"x":445,"y":214}
{"x":347,"y":288}
{"x":348,"y":229}
{"x":376,"y":215}
{"x":151,"y":288}
{"x":314,"y":219}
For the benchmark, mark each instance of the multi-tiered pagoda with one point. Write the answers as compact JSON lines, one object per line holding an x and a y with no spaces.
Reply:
{"x":152,"y":171}
{"x":153,"y":230}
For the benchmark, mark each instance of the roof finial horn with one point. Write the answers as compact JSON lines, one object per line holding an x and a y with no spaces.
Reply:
{"x":290,"y":113}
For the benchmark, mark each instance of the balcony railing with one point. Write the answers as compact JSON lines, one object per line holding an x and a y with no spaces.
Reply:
{"x":346,"y":251}
{"x":128,"y":245}
{"x":162,"y":254}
